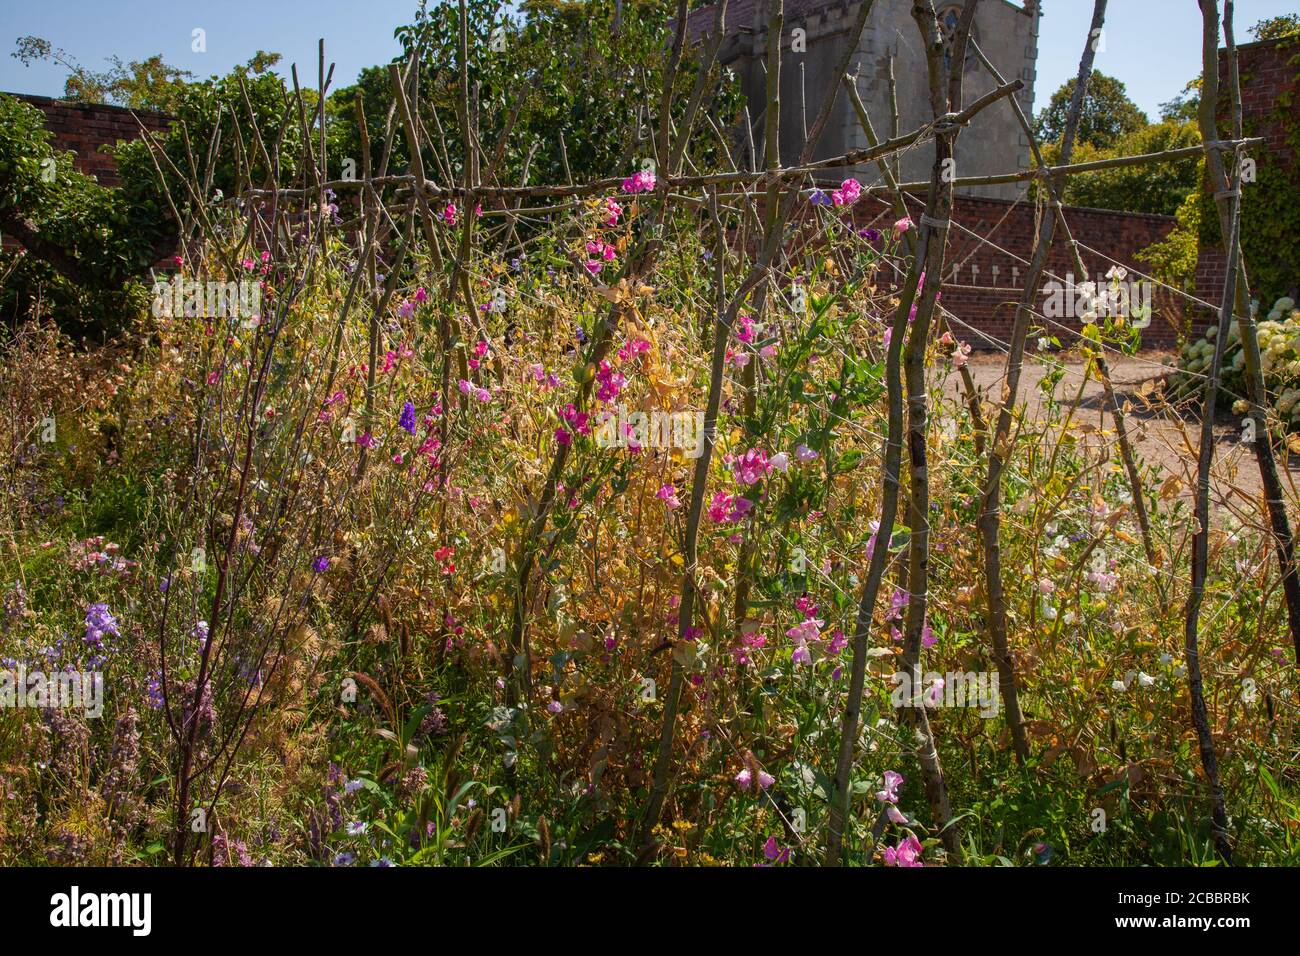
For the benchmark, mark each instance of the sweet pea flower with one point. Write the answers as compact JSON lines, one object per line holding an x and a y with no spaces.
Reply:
{"x":668,"y":495}
{"x":907,"y":853}
{"x":847,"y":194}
{"x":639,"y":182}
{"x":751,"y":467}
{"x":892,"y":782}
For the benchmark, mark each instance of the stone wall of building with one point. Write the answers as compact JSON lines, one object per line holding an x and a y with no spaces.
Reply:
{"x":994,"y":143}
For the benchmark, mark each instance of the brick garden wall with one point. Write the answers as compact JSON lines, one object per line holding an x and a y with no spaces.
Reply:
{"x":982,"y":283}
{"x":85,"y":127}
{"x":981,"y":293}
{"x":1266,"y":79}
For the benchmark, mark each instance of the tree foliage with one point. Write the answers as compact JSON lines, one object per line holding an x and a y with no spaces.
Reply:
{"x":1108,"y":113}
{"x":1158,"y":188}
{"x":577,"y":72}
{"x":83,"y":242}
{"x":1272,"y":28}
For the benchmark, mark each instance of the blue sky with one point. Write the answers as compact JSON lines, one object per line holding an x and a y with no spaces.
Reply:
{"x":1153,"y":46}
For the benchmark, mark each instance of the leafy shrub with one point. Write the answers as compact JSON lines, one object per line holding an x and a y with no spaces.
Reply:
{"x":85,"y":243}
{"x":1279,"y":347}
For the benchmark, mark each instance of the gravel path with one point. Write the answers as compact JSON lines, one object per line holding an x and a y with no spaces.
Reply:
{"x":1161,"y":438}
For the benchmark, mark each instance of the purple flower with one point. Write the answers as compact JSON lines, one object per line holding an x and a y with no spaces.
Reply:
{"x":406,"y":421}
{"x":774,"y":852}
{"x":321,"y":564}
{"x":154,"y":692}
{"x":99,"y":622}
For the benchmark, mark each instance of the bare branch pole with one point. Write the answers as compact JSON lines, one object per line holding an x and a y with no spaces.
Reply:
{"x":1000,"y":446}
{"x":929,"y":253}
{"x":749,"y":375}
{"x":1103,"y":368}
{"x":1256,"y":393}
{"x":899,"y":201}
{"x":934,"y":237}
{"x":745,"y":178}
{"x":1201,"y":541}
{"x":776,"y":213}
{"x":639,"y":261}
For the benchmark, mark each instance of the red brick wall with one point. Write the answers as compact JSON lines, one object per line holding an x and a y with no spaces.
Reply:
{"x":84,"y":128}
{"x":976,"y":295}
{"x":1267,"y":75}
{"x":985,"y":299}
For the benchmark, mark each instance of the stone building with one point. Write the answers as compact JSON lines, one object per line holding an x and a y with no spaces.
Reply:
{"x":993,"y":143}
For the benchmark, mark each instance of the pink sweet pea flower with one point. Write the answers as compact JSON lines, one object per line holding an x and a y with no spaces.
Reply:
{"x":892,"y":782}
{"x":907,"y":853}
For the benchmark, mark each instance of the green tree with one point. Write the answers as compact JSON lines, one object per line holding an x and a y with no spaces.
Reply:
{"x":88,"y":247}
{"x":1184,"y":107}
{"x":83,"y":243}
{"x":148,"y":84}
{"x":1271,"y":28}
{"x":1158,"y":188}
{"x":578,"y":70}
{"x":1107,"y":114}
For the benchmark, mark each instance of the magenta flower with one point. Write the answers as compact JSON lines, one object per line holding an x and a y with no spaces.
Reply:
{"x":847,"y":194}
{"x":745,"y":779}
{"x":609,"y":382}
{"x":892,"y":782}
{"x":639,"y":182}
{"x":907,"y":853}
{"x":751,"y":467}
{"x":668,"y":495}
{"x":774,"y":852}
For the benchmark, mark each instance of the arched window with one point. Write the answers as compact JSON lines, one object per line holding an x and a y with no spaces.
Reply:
{"x":949,"y":17}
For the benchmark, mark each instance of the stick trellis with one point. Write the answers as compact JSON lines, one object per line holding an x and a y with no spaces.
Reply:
{"x":398,"y":222}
